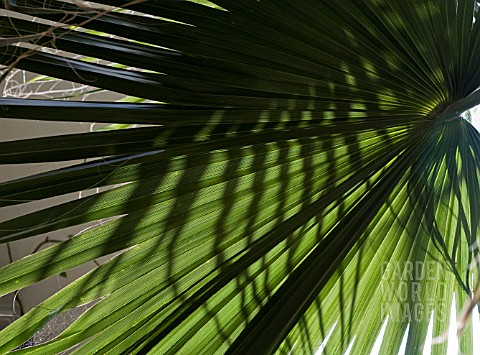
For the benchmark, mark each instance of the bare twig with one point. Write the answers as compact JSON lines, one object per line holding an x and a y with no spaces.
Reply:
{"x":51,"y":30}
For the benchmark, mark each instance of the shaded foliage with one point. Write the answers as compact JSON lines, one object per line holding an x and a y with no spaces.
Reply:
{"x":295,"y":150}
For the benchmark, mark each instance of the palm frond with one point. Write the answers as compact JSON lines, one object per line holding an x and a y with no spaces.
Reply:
{"x":297,"y":156}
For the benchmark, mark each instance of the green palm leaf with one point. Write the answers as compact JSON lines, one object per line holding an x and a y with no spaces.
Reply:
{"x":299,"y":154}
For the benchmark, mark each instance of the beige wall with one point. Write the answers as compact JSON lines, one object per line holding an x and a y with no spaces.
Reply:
{"x":22,"y":129}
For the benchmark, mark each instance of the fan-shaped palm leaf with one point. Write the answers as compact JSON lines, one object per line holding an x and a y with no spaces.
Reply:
{"x":300,"y":154}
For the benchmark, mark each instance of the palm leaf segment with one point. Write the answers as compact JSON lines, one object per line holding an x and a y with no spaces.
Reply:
{"x":298,"y":153}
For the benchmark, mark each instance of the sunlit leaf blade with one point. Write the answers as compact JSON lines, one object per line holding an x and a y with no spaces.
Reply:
{"x":303,"y":162}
